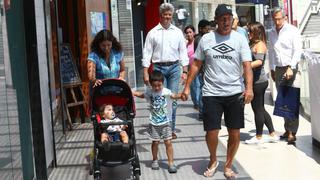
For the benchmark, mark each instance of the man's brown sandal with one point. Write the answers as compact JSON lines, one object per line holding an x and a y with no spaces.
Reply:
{"x":229,"y":174}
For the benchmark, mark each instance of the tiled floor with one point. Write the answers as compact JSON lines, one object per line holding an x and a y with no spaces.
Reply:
{"x":267,"y":161}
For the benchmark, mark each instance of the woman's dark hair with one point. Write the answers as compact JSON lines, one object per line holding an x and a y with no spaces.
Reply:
{"x":104,"y":35}
{"x":257,"y":31}
{"x":188,"y":27}
{"x":156,"y":76}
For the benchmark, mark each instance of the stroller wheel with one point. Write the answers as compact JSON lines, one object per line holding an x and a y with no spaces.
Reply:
{"x":136,"y":176}
{"x":97,"y":176}
{"x":136,"y":173}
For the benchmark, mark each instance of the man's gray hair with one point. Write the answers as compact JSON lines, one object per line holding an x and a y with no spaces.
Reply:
{"x":166,"y":7}
{"x":277,"y":10}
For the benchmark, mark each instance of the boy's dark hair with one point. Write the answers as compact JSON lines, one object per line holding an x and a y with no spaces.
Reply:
{"x":156,"y":76}
{"x":203,"y":23}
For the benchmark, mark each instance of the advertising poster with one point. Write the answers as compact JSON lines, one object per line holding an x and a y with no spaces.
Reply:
{"x":98,"y":22}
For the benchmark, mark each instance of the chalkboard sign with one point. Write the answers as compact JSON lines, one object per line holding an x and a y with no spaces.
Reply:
{"x":69,"y":71}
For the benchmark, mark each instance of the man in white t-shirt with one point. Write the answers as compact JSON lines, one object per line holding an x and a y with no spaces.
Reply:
{"x":226,"y":57}
{"x":182,"y":15}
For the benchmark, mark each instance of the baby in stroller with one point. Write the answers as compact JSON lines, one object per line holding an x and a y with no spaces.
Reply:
{"x":113,"y":112}
{"x":113,"y":131}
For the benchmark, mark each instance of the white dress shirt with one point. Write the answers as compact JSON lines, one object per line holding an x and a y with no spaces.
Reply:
{"x":165,"y":45}
{"x":285,"y":47}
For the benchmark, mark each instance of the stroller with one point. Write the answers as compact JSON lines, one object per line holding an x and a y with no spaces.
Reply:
{"x":110,"y":154}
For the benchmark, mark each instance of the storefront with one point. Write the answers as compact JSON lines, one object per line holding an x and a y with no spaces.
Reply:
{"x":252,"y":10}
{"x":197,"y":10}
{"x":25,"y":116}
{"x":260,"y":10}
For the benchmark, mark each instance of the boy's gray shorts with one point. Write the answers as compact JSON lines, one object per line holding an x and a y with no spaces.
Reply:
{"x":156,"y":133}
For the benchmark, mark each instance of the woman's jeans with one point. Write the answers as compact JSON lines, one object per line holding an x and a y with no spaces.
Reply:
{"x":172,"y":75}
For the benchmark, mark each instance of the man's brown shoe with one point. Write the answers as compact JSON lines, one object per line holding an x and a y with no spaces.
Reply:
{"x":291,"y":139}
{"x":284,"y":135}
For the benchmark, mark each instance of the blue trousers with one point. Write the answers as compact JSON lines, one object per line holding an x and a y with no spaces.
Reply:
{"x":195,"y":91}
{"x":172,"y":75}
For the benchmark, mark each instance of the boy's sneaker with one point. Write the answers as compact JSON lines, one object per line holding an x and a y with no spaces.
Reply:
{"x":172,"y":169}
{"x":155,"y":165}
{"x":174,"y":136}
{"x":254,"y":140}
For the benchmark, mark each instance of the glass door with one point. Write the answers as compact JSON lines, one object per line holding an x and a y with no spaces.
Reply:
{"x":16,"y":155}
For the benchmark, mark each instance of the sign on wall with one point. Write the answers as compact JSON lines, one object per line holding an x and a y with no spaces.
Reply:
{"x":128,"y":4}
{"x":69,"y":71}
{"x":98,"y":22}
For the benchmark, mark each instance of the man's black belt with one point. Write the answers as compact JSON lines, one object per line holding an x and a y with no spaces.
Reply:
{"x":169,"y":63}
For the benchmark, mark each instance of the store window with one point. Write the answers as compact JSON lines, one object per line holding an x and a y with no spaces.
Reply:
{"x":183,"y":13}
{"x":204,"y":11}
{"x":16,"y":158}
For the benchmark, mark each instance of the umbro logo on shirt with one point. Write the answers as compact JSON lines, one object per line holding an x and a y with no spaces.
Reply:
{"x":223,"y":48}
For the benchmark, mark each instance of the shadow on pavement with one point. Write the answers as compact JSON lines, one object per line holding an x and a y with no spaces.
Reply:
{"x":304,"y":144}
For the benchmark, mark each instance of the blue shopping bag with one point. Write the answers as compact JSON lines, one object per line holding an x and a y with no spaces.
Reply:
{"x":287,"y":102}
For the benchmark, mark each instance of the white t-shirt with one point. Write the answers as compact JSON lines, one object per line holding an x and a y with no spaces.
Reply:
{"x":181,"y":13}
{"x":113,"y":128}
{"x":223,"y":57}
{"x":160,"y":106}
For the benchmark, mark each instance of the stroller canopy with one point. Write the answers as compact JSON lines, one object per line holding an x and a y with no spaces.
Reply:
{"x":113,"y":91}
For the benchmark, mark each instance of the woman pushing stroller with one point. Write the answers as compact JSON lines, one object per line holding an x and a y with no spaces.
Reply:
{"x":106,"y":71}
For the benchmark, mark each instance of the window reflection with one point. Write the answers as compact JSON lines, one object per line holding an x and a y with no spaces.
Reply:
{"x":10,"y":149}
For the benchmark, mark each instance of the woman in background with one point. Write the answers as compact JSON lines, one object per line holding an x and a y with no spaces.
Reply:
{"x":257,"y":41}
{"x":195,"y":85}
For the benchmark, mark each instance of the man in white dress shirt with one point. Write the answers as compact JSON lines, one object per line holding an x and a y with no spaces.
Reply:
{"x":284,"y":54}
{"x":165,"y":48}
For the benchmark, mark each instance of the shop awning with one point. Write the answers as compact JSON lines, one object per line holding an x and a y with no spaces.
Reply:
{"x":252,"y":1}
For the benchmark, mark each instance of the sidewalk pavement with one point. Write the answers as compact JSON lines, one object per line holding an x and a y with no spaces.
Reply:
{"x":266,"y":161}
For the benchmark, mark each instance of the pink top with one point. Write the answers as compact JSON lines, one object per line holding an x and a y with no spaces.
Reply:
{"x":190,"y":50}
